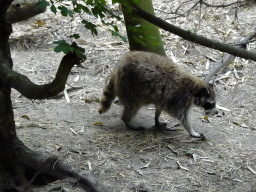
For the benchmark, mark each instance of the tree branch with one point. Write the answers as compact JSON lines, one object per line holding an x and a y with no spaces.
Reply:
{"x":188,"y":35}
{"x":224,"y":5}
{"x":19,"y":12}
{"x":27,"y":88}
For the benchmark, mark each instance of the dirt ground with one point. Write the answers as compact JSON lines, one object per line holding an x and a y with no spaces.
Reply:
{"x":127,"y":160}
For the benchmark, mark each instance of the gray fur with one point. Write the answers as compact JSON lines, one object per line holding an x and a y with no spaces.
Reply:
{"x":142,"y":78}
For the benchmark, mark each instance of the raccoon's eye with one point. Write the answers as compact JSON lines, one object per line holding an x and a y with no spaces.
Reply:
{"x":202,"y":92}
{"x":209,"y":105}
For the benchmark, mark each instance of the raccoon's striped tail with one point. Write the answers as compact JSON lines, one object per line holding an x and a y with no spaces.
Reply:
{"x":108,"y":96}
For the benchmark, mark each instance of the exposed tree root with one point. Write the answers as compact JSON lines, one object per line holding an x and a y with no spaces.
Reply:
{"x":51,"y":165}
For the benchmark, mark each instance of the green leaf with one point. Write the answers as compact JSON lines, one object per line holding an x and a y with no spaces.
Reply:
{"x":86,"y":10}
{"x":79,"y":51}
{"x":80,"y":7}
{"x":65,"y":47}
{"x":76,"y":36}
{"x":99,"y":8}
{"x":115,"y":34}
{"x":89,"y":2}
{"x":62,"y":47}
{"x":53,"y":9}
{"x":115,"y":28}
{"x":80,"y":55}
{"x":77,"y":10}
{"x":41,"y":5}
{"x":64,"y":11}
{"x":90,"y":26}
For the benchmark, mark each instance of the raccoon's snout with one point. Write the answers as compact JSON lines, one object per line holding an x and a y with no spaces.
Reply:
{"x":213,"y":111}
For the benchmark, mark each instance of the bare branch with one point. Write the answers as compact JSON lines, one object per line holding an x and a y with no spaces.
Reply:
{"x":228,"y":57}
{"x":237,"y":2}
{"x":180,"y":6}
{"x":26,"y":87}
{"x":188,"y":35}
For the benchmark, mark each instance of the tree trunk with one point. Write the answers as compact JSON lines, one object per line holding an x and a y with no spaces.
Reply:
{"x":8,"y":160}
{"x":15,"y":157}
{"x":143,"y":35}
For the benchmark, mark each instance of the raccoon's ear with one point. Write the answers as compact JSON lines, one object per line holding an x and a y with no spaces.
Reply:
{"x":202,"y":92}
{"x":211,"y":84}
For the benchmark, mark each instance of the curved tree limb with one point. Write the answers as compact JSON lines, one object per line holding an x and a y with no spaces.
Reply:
{"x":27,"y":88}
{"x":188,"y":35}
{"x":22,"y":11}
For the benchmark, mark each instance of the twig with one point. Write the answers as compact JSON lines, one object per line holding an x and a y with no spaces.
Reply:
{"x":223,"y":4}
{"x":180,"y":6}
{"x":192,"y":7}
{"x":250,"y":169}
{"x":163,"y":11}
{"x":181,"y":167}
{"x":172,"y":150}
{"x":200,"y":13}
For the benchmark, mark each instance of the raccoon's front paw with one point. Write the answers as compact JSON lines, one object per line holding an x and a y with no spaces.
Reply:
{"x":198,"y":135}
{"x":159,"y":124}
{"x":140,"y":128}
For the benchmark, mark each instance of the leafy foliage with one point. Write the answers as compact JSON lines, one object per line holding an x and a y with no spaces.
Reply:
{"x":90,"y":26}
{"x":65,"y":47}
{"x":65,"y":11}
{"x":42,"y":4}
{"x":97,"y":8}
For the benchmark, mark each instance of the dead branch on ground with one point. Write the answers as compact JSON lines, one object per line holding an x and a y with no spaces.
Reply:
{"x":228,"y":57}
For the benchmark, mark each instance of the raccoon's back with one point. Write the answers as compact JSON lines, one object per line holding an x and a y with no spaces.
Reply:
{"x":148,"y":77}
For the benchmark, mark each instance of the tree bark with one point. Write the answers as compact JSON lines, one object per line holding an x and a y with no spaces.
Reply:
{"x":22,"y":10}
{"x":143,"y":35}
{"x":15,"y":157}
{"x":26,"y":87}
{"x":8,"y":160}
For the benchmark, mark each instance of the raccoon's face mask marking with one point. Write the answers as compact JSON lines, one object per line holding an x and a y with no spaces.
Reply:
{"x":205,"y":98}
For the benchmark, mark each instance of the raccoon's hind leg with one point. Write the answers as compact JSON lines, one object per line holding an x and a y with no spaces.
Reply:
{"x":157,"y":115}
{"x":187,"y":126}
{"x":130,"y":111}
{"x":108,"y":96}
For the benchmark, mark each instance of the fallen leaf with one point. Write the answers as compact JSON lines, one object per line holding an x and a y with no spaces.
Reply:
{"x":145,"y":166}
{"x":88,"y":100}
{"x":25,"y":117}
{"x":98,"y":124}
{"x":58,"y":147}
{"x":40,"y":23}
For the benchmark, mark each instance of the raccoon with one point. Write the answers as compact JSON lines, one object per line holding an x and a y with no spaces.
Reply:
{"x":142,"y":78}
